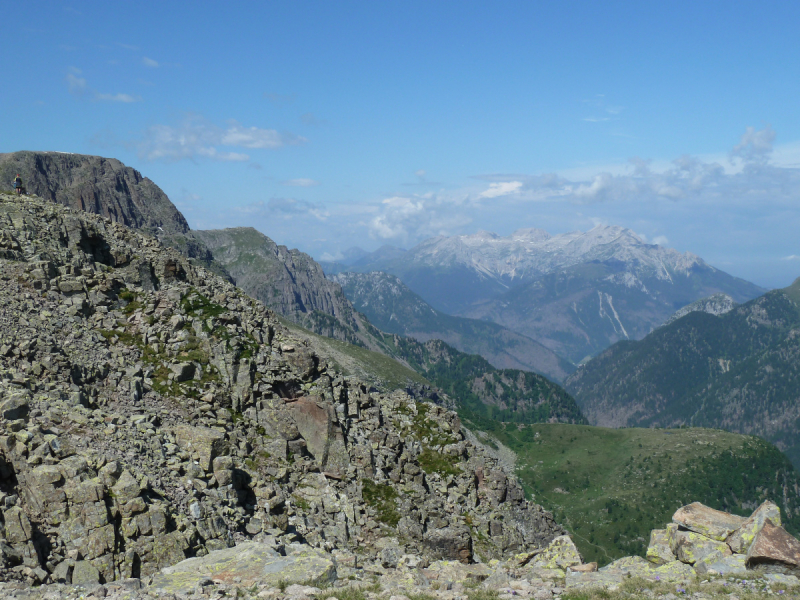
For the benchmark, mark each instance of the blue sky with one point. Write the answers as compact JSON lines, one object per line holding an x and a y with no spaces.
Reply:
{"x":327,"y":125}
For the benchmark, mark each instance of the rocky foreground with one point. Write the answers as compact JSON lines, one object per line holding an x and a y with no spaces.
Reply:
{"x":152,"y":412}
{"x":162,"y":435}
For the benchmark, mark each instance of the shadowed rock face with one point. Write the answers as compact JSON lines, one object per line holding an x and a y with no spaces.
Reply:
{"x":97,"y":185}
{"x":774,"y":551}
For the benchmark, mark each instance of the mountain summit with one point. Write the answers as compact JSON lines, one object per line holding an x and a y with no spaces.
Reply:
{"x":576,"y":293}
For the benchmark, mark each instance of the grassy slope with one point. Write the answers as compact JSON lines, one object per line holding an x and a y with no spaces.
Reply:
{"x":610,"y":487}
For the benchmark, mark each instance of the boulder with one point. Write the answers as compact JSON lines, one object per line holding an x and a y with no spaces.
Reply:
{"x":659,"y":551}
{"x":577,"y":580}
{"x":629,"y":566}
{"x":691,"y":547}
{"x":560,"y":554}
{"x":740,"y":541}
{"x":774,"y":551}
{"x":714,"y":524}
{"x":126,"y":488}
{"x":585,"y":568}
{"x":674,"y":571}
{"x":208,"y":443}
{"x":317,"y":422}
{"x":246,"y":565}
{"x":717,"y":564}
{"x":183,"y":371}
{"x":85,"y":573}
{"x":15,"y":407}
{"x":450,"y":543}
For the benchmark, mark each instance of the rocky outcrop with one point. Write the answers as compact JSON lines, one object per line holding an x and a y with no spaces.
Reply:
{"x":153,"y":412}
{"x":708,"y":543}
{"x":288,"y":281}
{"x":716,"y":304}
{"x":95,"y":184}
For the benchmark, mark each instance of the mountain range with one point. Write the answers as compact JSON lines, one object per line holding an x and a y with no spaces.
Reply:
{"x":159,"y":316}
{"x":392,"y":307}
{"x":575,"y":293}
{"x":738,"y":371}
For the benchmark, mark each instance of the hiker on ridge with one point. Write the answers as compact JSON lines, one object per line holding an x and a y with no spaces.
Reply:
{"x":18,"y":185}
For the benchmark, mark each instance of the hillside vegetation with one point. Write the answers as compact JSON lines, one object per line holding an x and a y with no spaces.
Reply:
{"x":610,"y":487}
{"x":739,"y":371}
{"x":484,"y":395}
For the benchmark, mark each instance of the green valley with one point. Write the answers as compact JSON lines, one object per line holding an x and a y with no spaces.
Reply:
{"x":610,"y":487}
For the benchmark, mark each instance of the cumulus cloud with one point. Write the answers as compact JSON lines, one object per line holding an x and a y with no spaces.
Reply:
{"x":748,"y":176}
{"x":503,"y":188}
{"x":300,"y":182}
{"x":75,"y":84}
{"x":196,"y":137}
{"x":755,"y":145}
{"x":117,"y":98}
{"x":411,"y":218}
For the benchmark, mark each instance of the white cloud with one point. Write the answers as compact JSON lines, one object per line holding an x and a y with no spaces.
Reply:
{"x":661,"y":240}
{"x":196,"y":137}
{"x":502,"y":188}
{"x":254,"y":137}
{"x":77,"y":86}
{"x":149,"y":62}
{"x":791,"y":257}
{"x":300,"y":182}
{"x":412,"y":218}
{"x":127,"y":98}
{"x":755,"y":145}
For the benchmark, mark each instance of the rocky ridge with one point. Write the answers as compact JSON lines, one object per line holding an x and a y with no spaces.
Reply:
{"x":717,"y":304}
{"x":152,"y":411}
{"x":289,"y":282}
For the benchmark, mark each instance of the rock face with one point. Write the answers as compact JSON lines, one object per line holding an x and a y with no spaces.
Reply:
{"x":288,"y":281}
{"x":94,"y":184}
{"x":153,"y":412}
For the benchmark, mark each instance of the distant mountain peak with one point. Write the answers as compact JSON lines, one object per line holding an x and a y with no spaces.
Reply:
{"x":530,"y":235}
